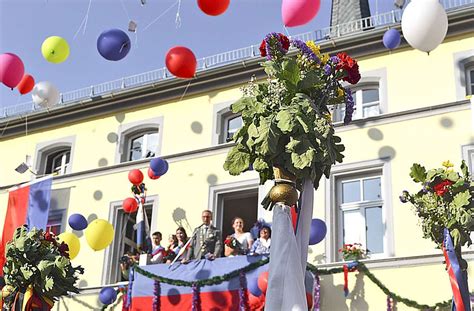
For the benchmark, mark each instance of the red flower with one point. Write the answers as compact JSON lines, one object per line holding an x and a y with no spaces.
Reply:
{"x":284,"y":41}
{"x":350,"y":67}
{"x":442,"y":187}
{"x":263,"y":50}
{"x":63,"y":249}
{"x":50,"y":237}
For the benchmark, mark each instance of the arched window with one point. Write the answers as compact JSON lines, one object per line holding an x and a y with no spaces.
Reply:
{"x":57,"y":161}
{"x":470,"y":79}
{"x":366,"y":103}
{"x":231,"y":124}
{"x":142,"y":144}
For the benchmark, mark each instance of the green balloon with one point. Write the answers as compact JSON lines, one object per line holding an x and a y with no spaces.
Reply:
{"x":55,"y":49}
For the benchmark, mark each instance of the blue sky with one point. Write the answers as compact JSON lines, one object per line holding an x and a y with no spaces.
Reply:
{"x":25,"y":24}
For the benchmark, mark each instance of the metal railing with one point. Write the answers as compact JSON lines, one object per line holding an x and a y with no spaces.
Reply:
{"x":217,"y":60}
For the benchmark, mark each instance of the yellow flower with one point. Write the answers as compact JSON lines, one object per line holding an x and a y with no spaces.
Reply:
{"x":340,"y":92}
{"x":447,"y":164}
{"x":315,"y":48}
{"x":324,"y":58}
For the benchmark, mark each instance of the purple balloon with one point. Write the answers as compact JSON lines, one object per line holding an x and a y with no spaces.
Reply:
{"x":107,"y":295}
{"x":113,"y":44}
{"x":391,"y":39}
{"x":317,"y":232}
{"x":77,"y":222}
{"x":159,"y":166}
{"x":252,"y":285}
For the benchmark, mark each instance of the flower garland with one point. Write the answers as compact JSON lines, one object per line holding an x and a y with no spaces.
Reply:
{"x":157,"y":298}
{"x":317,"y":292}
{"x":361,"y":267}
{"x":196,"y":298}
{"x":243,"y":293}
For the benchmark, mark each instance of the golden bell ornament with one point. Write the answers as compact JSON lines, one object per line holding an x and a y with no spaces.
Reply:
{"x":284,"y":191}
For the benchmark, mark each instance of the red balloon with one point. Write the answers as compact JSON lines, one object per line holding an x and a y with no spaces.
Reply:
{"x":256,"y":303}
{"x":213,"y":7}
{"x":263,"y":281}
{"x":130,"y":205}
{"x":135,"y":177}
{"x":152,"y":175}
{"x":26,"y":84}
{"x":181,"y":62}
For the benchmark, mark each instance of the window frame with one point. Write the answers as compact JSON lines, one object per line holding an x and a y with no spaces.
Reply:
{"x":61,"y":153}
{"x":126,"y":132}
{"x":462,"y":62}
{"x":225,"y":120}
{"x":221,"y":114}
{"x":333,"y":220}
{"x":360,"y":206}
{"x":116,"y":248}
{"x":48,"y":148}
{"x":135,"y":135}
{"x":357,"y":94}
{"x":59,"y":215}
{"x":469,"y":83}
{"x":467,"y":152}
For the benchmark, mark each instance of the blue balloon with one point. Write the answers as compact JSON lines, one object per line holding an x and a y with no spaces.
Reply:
{"x":317,"y":232}
{"x":252,"y":286}
{"x":107,"y":295}
{"x":113,"y":44}
{"x":391,"y":39}
{"x":159,"y":166}
{"x":77,"y":222}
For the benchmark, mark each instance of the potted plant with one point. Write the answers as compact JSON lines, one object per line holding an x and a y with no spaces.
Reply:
{"x":287,"y":118}
{"x":353,"y":252}
{"x":37,"y":270}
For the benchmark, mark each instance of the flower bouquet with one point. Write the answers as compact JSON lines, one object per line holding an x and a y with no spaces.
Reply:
{"x":38,"y":269}
{"x":234,"y":244}
{"x":353,"y":252}
{"x":444,"y":201}
{"x":287,"y":118}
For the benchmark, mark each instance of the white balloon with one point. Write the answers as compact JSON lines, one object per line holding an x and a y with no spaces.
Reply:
{"x":424,"y":24}
{"x":45,"y":94}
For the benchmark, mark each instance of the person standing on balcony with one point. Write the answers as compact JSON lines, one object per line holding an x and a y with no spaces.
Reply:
{"x":206,"y":240}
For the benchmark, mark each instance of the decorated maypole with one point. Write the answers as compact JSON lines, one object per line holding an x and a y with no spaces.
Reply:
{"x":288,"y":136}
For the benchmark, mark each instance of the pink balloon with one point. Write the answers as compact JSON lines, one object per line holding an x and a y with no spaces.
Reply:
{"x":299,"y":12}
{"x":11,"y":69}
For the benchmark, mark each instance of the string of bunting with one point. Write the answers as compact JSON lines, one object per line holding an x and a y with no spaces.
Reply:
{"x":361,"y":267}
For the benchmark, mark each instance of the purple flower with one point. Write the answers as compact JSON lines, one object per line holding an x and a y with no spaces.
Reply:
{"x":275,"y":44}
{"x":334,"y":59}
{"x":300,"y":45}
{"x":349,"y":106}
{"x":327,"y":69}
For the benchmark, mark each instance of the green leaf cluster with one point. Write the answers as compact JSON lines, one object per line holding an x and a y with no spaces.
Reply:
{"x":287,"y":124}
{"x":445,"y":201}
{"x":32,"y":260}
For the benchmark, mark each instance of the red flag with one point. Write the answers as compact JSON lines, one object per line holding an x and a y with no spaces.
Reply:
{"x":16,"y":216}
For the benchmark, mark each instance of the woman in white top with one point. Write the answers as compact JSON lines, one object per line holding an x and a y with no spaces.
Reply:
{"x":244,"y":238}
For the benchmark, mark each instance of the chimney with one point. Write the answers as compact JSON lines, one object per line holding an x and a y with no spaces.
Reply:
{"x":345,"y":11}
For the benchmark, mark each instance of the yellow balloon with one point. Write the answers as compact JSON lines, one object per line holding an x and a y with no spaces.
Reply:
{"x":55,"y":49}
{"x":99,"y":234}
{"x":72,"y":242}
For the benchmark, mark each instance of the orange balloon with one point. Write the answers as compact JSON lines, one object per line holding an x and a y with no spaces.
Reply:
{"x":26,"y":84}
{"x":256,"y":303}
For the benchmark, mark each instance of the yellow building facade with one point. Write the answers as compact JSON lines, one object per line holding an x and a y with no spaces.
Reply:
{"x":411,"y":107}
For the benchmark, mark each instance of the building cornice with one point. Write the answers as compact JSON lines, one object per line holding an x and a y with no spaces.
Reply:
{"x":361,"y":44}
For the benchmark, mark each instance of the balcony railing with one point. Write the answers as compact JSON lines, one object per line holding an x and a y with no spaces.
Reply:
{"x":217,"y":60}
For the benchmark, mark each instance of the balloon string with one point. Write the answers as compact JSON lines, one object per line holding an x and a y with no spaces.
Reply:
{"x":156,"y":19}
{"x":185,"y":90}
{"x":125,"y":10}
{"x":287,"y":32}
{"x":84,"y":21}
{"x":178,"y":17}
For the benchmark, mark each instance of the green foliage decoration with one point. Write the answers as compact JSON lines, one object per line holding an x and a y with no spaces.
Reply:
{"x":37,"y":259}
{"x":287,"y":118}
{"x":445,"y":201}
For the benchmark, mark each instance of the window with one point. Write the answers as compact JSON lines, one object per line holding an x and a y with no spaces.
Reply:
{"x":142,"y":145}
{"x":468,"y":157}
{"x":54,"y":157}
{"x":359,"y":204}
{"x":243,"y":204}
{"x":139,"y":140}
{"x":55,"y":222}
{"x":366,"y":103}
{"x":125,"y":239}
{"x":57,"y":161}
{"x":232,"y":124}
{"x":470,"y":79}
